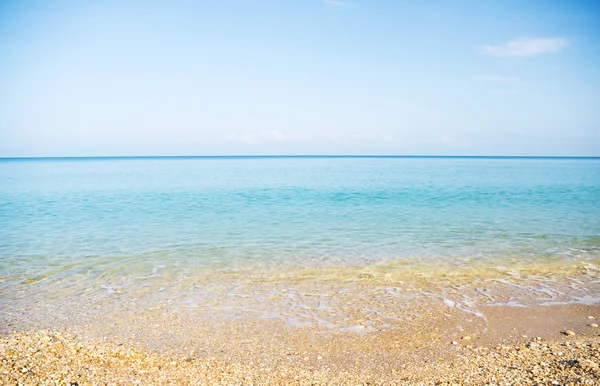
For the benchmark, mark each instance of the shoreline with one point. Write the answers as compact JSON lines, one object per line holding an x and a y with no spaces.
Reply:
{"x":518,"y":345}
{"x":358,"y":326}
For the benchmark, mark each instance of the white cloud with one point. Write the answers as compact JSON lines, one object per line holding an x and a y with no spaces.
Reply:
{"x":526,"y":47}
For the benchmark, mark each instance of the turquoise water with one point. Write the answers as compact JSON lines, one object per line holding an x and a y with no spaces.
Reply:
{"x":283,"y":208}
{"x":115,"y":223}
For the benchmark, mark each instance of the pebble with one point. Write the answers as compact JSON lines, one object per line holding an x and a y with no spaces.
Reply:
{"x":103,"y":363}
{"x":569,"y":333}
{"x":590,"y":317}
{"x":466,"y":337}
{"x":594,"y":325}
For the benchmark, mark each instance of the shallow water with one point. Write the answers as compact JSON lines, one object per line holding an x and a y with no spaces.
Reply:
{"x":195,"y":233}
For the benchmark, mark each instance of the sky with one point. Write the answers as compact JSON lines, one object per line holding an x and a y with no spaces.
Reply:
{"x":299,"y":77}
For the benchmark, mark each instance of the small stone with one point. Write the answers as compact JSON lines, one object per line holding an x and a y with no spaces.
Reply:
{"x":590,"y":317}
{"x":593,"y":325}
{"x":454,"y":342}
{"x":319,"y":357}
{"x":24,"y":370}
{"x":569,"y":333}
{"x":466,"y":337}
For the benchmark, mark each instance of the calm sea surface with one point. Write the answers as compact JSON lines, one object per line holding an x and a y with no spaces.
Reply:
{"x":68,"y":226}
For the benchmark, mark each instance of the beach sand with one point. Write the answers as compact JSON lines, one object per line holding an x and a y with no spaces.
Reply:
{"x":517,"y":346}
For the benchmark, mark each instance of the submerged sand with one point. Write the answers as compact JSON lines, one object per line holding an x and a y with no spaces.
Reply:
{"x":519,"y":346}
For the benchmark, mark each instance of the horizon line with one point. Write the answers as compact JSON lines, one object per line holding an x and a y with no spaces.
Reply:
{"x":247,"y":156}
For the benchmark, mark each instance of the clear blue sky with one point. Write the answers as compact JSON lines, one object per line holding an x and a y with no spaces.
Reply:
{"x":87,"y":78}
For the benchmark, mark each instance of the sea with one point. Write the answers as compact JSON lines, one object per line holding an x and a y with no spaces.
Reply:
{"x":191,"y":232}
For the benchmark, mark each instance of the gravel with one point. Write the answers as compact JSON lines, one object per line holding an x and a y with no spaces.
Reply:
{"x":49,"y":357}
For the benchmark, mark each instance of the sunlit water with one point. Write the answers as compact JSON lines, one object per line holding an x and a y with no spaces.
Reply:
{"x":278,"y":237}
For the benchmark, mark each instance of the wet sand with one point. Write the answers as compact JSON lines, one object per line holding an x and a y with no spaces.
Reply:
{"x":517,"y":346}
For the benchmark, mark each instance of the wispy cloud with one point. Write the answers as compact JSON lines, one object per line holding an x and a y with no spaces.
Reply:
{"x":266,"y":137}
{"x":500,"y":79}
{"x":277,"y":136}
{"x":526,"y":47}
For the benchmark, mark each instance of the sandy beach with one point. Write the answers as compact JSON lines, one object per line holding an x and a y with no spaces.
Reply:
{"x":519,"y":324}
{"x":519,"y":346}
{"x":316,"y":192}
